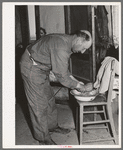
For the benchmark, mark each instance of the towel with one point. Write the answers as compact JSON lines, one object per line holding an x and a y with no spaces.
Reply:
{"x":103,"y":76}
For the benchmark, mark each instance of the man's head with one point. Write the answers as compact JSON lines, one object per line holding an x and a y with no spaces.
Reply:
{"x":82,"y":42}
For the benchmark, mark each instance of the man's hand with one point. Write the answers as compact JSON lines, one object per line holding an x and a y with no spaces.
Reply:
{"x":80,"y":87}
{"x":89,"y":87}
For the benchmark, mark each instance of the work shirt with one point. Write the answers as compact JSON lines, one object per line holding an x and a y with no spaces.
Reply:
{"x":52,"y":52}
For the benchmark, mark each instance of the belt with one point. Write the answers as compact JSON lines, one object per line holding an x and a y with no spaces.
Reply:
{"x":34,"y":63}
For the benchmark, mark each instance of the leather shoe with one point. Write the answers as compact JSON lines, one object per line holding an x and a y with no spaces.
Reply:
{"x":47,"y":142}
{"x":60,"y":130}
{"x":50,"y":142}
{"x":41,"y":143}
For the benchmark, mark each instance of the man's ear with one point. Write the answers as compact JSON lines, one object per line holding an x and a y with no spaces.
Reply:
{"x":79,"y":41}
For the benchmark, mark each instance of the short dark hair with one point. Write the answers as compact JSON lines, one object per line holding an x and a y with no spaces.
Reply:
{"x":82,"y":34}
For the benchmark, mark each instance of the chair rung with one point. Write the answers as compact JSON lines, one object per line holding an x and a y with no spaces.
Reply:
{"x":95,"y":122}
{"x":91,"y":104}
{"x":91,"y":112}
{"x":99,"y":140}
{"x":89,"y":128}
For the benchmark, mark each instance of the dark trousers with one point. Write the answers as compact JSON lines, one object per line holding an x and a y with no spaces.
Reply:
{"x":40,"y":98}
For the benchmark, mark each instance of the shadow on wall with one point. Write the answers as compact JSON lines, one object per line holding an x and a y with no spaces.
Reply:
{"x":113,"y":52}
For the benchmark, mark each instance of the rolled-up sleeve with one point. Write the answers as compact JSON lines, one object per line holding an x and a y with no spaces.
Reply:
{"x":60,"y":64}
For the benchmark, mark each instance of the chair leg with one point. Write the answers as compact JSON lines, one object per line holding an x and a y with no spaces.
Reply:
{"x":109,"y":109}
{"x":105,"y":117}
{"x":95,"y":115}
{"x":77,"y":109}
{"x":81,"y":124}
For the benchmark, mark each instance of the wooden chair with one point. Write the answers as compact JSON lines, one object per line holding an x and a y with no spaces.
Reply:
{"x":106,"y":111}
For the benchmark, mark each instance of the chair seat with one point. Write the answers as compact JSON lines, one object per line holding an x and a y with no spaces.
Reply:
{"x":91,"y":103}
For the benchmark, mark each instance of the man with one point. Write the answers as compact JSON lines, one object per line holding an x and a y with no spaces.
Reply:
{"x":51,"y":52}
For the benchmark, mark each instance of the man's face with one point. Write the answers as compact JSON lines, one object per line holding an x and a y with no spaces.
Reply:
{"x":82,"y":47}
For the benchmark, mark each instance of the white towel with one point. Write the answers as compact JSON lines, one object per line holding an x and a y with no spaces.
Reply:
{"x":103,"y":76}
